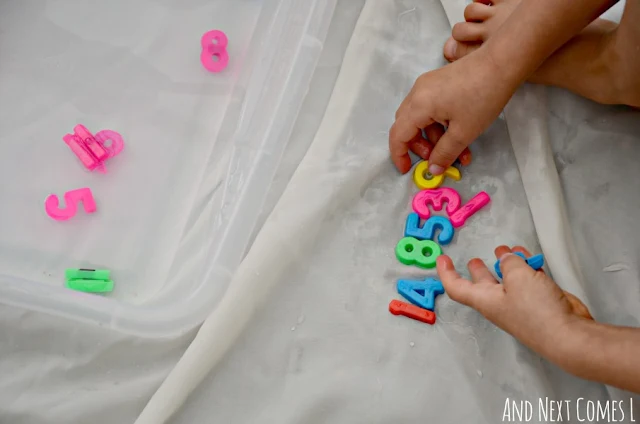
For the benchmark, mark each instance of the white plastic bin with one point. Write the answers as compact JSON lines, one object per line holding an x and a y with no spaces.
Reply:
{"x":178,"y":205}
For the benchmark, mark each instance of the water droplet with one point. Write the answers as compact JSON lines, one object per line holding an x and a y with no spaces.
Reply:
{"x":293,"y":328}
{"x":479,"y":373}
{"x":412,"y":344}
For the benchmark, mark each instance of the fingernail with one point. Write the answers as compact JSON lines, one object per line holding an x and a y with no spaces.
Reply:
{"x":450,"y":48}
{"x":436,"y":169}
{"x":505,"y":255}
{"x":442,"y":263}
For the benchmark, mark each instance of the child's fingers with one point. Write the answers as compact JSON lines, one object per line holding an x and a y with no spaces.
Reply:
{"x":402,"y":131}
{"x":434,"y":132}
{"x":479,"y":272}
{"x":515,"y":270}
{"x":465,"y":157}
{"x":447,"y":150}
{"x":500,"y":251}
{"x":577,"y":306}
{"x":421,"y":147}
{"x":410,"y":119}
{"x":401,"y":134}
{"x":522,"y":250}
{"x":458,"y":288}
{"x":484,"y":298}
{"x":526,"y":253}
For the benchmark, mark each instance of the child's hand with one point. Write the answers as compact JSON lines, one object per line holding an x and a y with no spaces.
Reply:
{"x":528,"y":304}
{"x":464,"y":96}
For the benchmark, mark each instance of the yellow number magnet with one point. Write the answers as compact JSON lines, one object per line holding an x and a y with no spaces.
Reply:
{"x":424,"y":180}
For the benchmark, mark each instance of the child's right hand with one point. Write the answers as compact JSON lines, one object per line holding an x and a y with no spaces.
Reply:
{"x":465,"y":96}
{"x":528,"y":304}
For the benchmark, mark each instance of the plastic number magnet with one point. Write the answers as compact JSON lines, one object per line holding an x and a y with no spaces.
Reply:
{"x":421,"y":293}
{"x":422,"y":253}
{"x":457,"y":214}
{"x":89,"y":280}
{"x":468,"y":209}
{"x":111,"y":141}
{"x":92,"y":150}
{"x":71,"y":198}
{"x":428,"y":231}
{"x":91,"y":286}
{"x":87,"y":274}
{"x":436,"y":198}
{"x":214,"y":56}
{"x":536,"y":262}
{"x":93,"y":153}
{"x":424,"y":180}
{"x":397,"y":307}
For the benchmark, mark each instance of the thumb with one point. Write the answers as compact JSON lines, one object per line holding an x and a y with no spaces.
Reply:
{"x":447,"y":150}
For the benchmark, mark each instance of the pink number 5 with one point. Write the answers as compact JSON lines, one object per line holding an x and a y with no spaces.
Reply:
{"x":71,"y":198}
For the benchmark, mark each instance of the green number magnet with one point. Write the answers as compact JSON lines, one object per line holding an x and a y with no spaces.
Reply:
{"x":422,"y":253}
{"x":89,"y":280}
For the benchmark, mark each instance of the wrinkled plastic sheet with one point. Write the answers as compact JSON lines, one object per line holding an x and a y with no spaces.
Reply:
{"x":318,"y":344}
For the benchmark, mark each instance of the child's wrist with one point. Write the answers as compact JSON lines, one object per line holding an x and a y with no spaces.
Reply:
{"x":574,"y":342}
{"x":514,"y":63}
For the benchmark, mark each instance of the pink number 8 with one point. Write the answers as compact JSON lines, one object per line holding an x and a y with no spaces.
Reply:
{"x":214,"y":56}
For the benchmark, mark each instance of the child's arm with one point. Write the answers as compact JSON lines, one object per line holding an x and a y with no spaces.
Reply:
{"x":603,"y":353}
{"x":531,"y":307}
{"x":467,"y":95}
